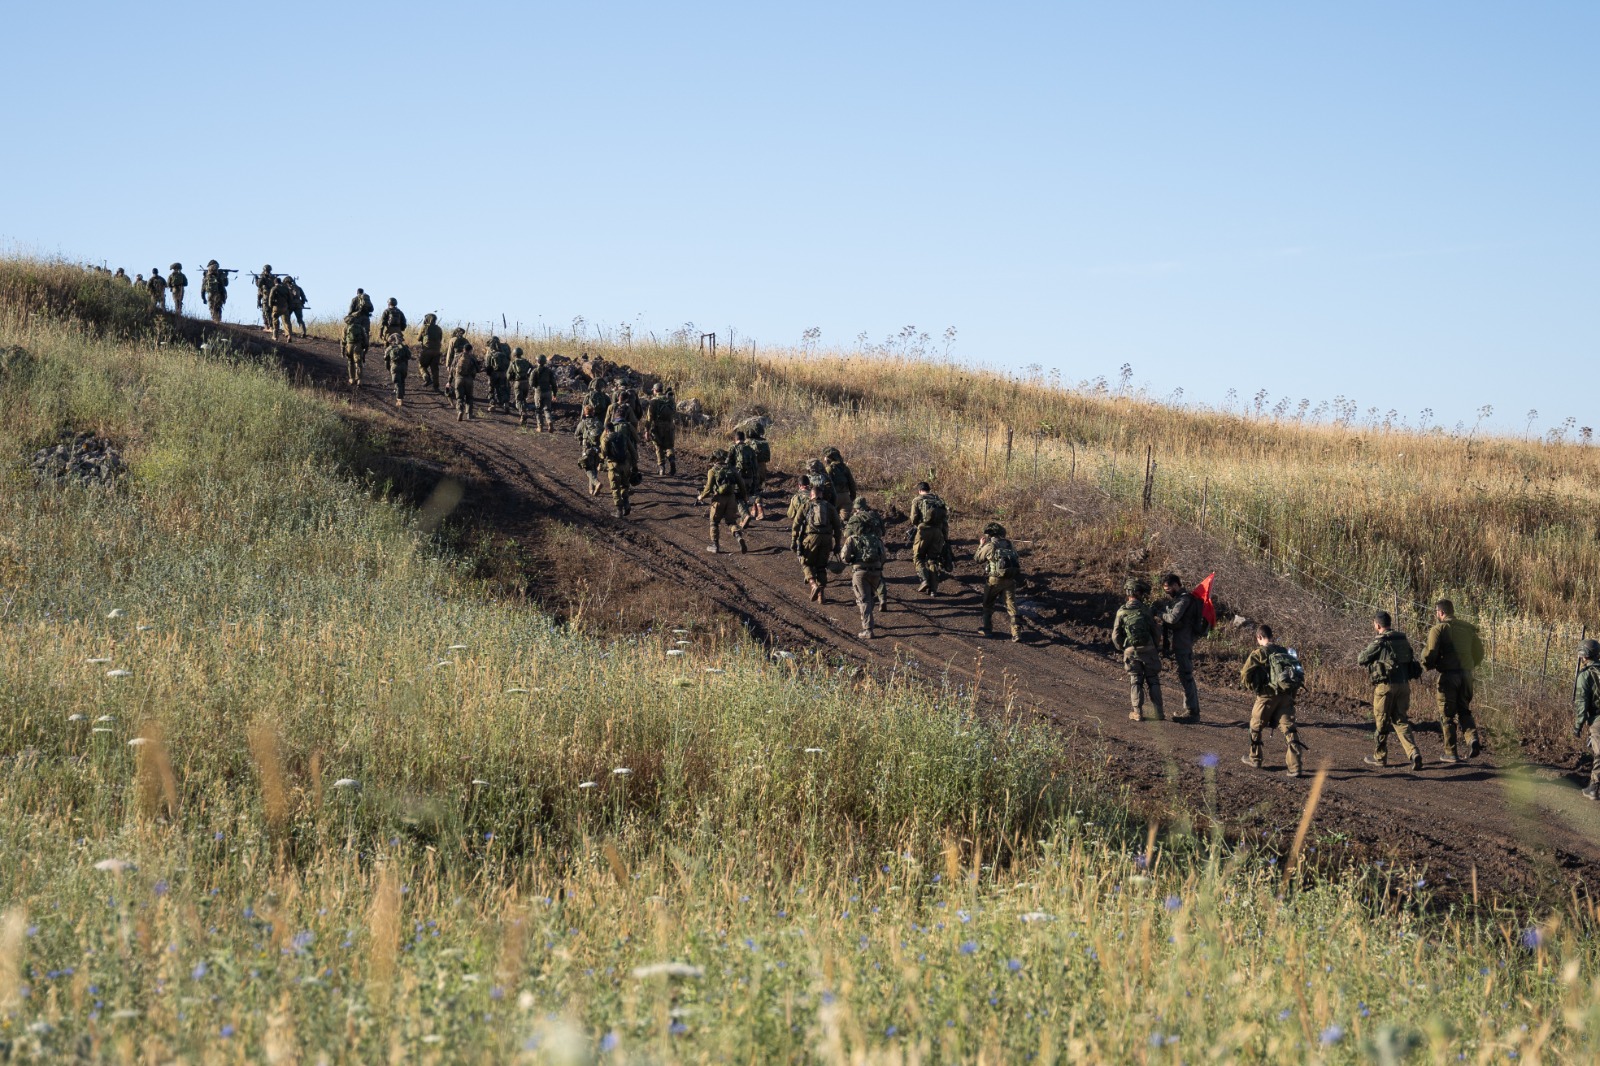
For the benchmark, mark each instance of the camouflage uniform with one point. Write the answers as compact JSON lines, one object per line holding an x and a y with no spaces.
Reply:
{"x":458,"y":344}
{"x":430,"y":349}
{"x":818,"y":476}
{"x":360,"y":307}
{"x":297,"y":305}
{"x":356,"y":341}
{"x":930,"y":540}
{"x":758,"y":441}
{"x":821,"y":534}
{"x":1455,"y":650}
{"x":463,"y":375}
{"x":662,"y":419}
{"x":1586,"y":708}
{"x":397,"y":357}
{"x":844,"y":482}
{"x":998,"y":558}
{"x":725,"y":489}
{"x":1388,"y":660}
{"x":279,"y":299}
{"x":393,"y":320}
{"x":214,"y":289}
{"x":589,"y":431}
{"x":863,"y":552}
{"x":544,"y":395}
{"x":620,"y":449}
{"x":600,"y":400}
{"x":264,"y":283}
{"x":497,"y":362}
{"x":1179,"y":620}
{"x":158,"y":288}
{"x":1271,"y":709}
{"x":865,"y":521}
{"x":1133,"y":633}
{"x":743,"y":457}
{"x":519,"y":373}
{"x":177,"y":281}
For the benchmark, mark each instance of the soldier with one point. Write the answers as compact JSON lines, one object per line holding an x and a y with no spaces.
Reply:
{"x":725,"y":489}
{"x":620,"y":450}
{"x":430,"y":349}
{"x":463,"y":374}
{"x":158,"y":288}
{"x":626,"y":405}
{"x":393,"y":320}
{"x":397,"y":357}
{"x":360,"y":307}
{"x":544,"y":395}
{"x":177,"y":281}
{"x":863,"y":552}
{"x":1182,"y":620}
{"x":661,"y":422}
{"x":600,"y":400}
{"x":758,"y":441}
{"x":863,"y":519}
{"x":1586,"y":705}
{"x":357,"y":338}
{"x":588,"y":433}
{"x":140,"y":283}
{"x":1004,"y":569}
{"x":820,"y":536}
{"x":498,"y":363}
{"x":1134,"y":634}
{"x":121,"y":275}
{"x":797,"y":511}
{"x":519,"y":373}
{"x":458,"y":344}
{"x":214,"y":289}
{"x":1274,"y":675}
{"x":930,"y":538}
{"x":1392,"y":666}
{"x":844,"y":482}
{"x":279,"y":297}
{"x":818,"y":475}
{"x":743,"y":457}
{"x":297,"y":305}
{"x":1455,"y":650}
{"x":264,"y":283}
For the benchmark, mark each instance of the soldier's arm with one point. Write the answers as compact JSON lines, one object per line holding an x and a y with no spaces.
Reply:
{"x":1369,"y":654}
{"x":1583,"y":701}
{"x":1117,"y":640}
{"x":1430,"y":656}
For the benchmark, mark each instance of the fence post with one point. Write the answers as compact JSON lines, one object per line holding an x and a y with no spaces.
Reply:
{"x":1549,"y":634}
{"x":987,"y":429}
{"x":1073,"y":474}
{"x":1008,"y":451}
{"x":1205,"y":498}
{"x":1149,"y":473}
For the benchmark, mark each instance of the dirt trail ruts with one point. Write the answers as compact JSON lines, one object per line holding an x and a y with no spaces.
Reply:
{"x":1512,"y":830}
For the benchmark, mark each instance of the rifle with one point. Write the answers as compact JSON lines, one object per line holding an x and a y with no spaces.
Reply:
{"x":1577,"y":672}
{"x":222,"y":270}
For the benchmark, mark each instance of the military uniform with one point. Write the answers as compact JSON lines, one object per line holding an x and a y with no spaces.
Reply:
{"x":497,"y":363}
{"x":662,"y":415}
{"x":725,"y":490}
{"x":620,"y":450}
{"x":844,"y":482}
{"x":278,"y":301}
{"x":177,"y":282}
{"x":1455,"y":650}
{"x":1271,"y":709}
{"x":930,"y":540}
{"x":264,"y":283}
{"x":398,"y":359}
{"x":600,"y":400}
{"x":743,"y":457}
{"x":393,"y":320}
{"x":589,"y":432}
{"x":297,"y":305}
{"x":863,"y":552}
{"x":463,"y":377}
{"x":1388,"y":660}
{"x":158,"y":288}
{"x":543,"y":385}
{"x":865,"y":521}
{"x":820,"y":535}
{"x":999,"y":560}
{"x":357,"y":334}
{"x":758,"y":441}
{"x":1179,"y":620}
{"x":1586,"y":705}
{"x":214,"y":290}
{"x":430,"y":349}
{"x":1133,"y":633}
{"x":520,"y":372}
{"x":360,"y":307}
{"x":458,"y":345}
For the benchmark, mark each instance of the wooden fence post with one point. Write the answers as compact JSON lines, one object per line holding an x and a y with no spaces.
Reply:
{"x":1008,"y":450}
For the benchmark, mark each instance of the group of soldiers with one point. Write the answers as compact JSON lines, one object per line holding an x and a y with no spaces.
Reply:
{"x":213,"y":287}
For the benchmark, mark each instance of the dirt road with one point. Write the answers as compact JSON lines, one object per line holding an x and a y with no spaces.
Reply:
{"x":1519,"y":829}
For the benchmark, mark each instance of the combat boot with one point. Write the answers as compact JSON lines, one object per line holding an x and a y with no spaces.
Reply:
{"x":1591,"y":793}
{"x":1416,"y":761}
{"x":1373,"y":760}
{"x":743,"y":547}
{"x":1016,"y":636}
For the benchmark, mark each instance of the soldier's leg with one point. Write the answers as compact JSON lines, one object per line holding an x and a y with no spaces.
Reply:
{"x":861,"y":586}
{"x":1151,"y":659}
{"x":1469,"y":724}
{"x":1184,"y":658}
{"x":991,"y":592}
{"x":1135,"y":672}
{"x":1448,"y":686}
{"x":1258,"y":719}
{"x":1291,"y":735}
{"x":177,"y":301}
{"x":1400,"y":720}
{"x":716,"y":525}
{"x":1010,"y":590}
{"x":399,"y":386}
{"x":1381,"y":725}
{"x":1593,"y":791}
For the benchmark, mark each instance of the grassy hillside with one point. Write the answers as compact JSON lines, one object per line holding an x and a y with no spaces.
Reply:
{"x":338,"y":803}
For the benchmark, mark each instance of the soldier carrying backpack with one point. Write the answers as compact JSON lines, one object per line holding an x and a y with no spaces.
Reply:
{"x":1274,"y":674}
{"x":1392,"y":666}
{"x":1134,"y":634}
{"x":863,"y":552}
{"x":1003,"y":568}
{"x":725,"y":489}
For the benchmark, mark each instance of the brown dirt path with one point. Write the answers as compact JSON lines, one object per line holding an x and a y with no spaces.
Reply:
{"x":1513,"y":829}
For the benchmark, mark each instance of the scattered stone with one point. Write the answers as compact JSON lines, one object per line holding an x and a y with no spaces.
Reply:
{"x":80,"y":457}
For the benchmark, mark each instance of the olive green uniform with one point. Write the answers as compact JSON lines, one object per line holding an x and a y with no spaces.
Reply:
{"x":1179,"y":620}
{"x":1388,"y":660}
{"x":743,"y":457}
{"x":1133,"y":633}
{"x":214,"y":290}
{"x":458,"y":344}
{"x":1271,"y":710}
{"x":930,"y":538}
{"x":520,"y":373}
{"x":397,"y":357}
{"x":620,"y":449}
{"x":498,"y":363}
{"x":393,"y":320}
{"x":543,"y":384}
{"x":177,"y":281}
{"x":1455,"y":650}
{"x":863,"y":552}
{"x":430,"y":349}
{"x":463,"y":375}
{"x":297,"y":306}
{"x":663,"y":415}
{"x":1586,"y":707}
{"x":819,"y":536}
{"x":864,"y":520}
{"x":725,"y":490}
{"x":1002,"y":586}
{"x":844,"y":485}
{"x":588,"y":433}
{"x":600,"y":400}
{"x":264,"y":283}
{"x":279,"y":299}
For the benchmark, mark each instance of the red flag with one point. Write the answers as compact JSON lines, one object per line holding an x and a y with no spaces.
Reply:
{"x":1202,"y":592}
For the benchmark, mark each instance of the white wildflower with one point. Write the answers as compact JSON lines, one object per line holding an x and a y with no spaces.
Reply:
{"x":480,"y":782}
{"x":676,"y":651}
{"x":813,"y":751}
{"x":116,"y":612}
{"x":119,"y":673}
{"x":1037,"y":916}
{"x":114,"y":866}
{"x":347,"y":782}
{"x":621,"y":771}
{"x":105,"y":718}
{"x":683,"y":643}
{"x":715,"y":670}
{"x":102,"y":729}
{"x":138,"y":742}
{"x":667,"y":969}
{"x":590,"y":784}
{"x":100,"y":661}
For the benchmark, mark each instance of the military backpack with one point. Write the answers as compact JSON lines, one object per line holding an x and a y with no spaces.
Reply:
{"x":1395,"y":662}
{"x":763,"y":451}
{"x":1137,"y":626}
{"x":725,"y":482}
{"x":866,"y":550}
{"x":662,"y":411}
{"x":1285,"y":675}
{"x":938,"y":515}
{"x":1004,"y":561}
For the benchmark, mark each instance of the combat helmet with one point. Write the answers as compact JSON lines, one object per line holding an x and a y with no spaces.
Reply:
{"x":832,"y":453}
{"x":1136,"y":586}
{"x":175,"y":266}
{"x":541,"y":356}
{"x":1589,"y":649}
{"x":393,"y":302}
{"x":516,"y":353}
{"x":459,"y":331}
{"x":994,"y":529}
{"x":212,"y":264}
{"x":720,"y":455}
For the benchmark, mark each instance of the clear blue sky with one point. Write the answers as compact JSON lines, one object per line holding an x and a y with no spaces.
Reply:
{"x":1396,"y":203}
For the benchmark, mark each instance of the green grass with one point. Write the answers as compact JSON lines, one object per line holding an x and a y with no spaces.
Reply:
{"x":925,"y":885}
